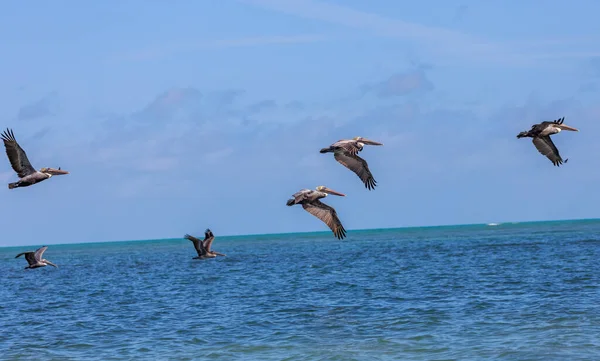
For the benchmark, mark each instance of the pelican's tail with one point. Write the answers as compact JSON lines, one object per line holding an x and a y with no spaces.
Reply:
{"x":523,"y":135}
{"x":326,"y":150}
{"x":13,"y":185}
{"x":291,"y":202}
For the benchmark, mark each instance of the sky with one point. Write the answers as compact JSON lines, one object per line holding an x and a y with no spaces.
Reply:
{"x":177,"y":116}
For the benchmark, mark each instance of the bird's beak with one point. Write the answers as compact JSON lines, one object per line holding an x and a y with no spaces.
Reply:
{"x":331,"y":191}
{"x":56,"y":171}
{"x":370,"y":142}
{"x":51,"y":264}
{"x":566,"y":127}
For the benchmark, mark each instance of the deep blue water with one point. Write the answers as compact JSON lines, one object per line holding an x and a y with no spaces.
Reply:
{"x":508,"y":292}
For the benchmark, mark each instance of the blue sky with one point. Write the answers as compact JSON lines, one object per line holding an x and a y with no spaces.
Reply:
{"x":177,"y":117}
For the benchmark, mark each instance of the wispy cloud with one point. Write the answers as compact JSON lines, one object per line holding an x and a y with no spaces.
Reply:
{"x":401,"y":84}
{"x":430,"y":40}
{"x":44,"y":107}
{"x":159,"y":51}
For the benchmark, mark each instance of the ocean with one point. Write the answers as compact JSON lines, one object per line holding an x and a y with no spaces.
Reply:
{"x":512,"y":291}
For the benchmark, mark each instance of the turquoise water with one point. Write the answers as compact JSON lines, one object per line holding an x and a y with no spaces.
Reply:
{"x":508,"y":292}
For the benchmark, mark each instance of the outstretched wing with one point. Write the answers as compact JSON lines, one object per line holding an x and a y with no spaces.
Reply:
{"x":40,"y":251}
{"x":547,"y":148}
{"x":16,"y":155}
{"x":208,"y":240}
{"x":197,"y":244}
{"x":349,"y":146}
{"x":29,"y":256}
{"x":299,"y":196}
{"x":328,"y":215}
{"x":358,"y":166}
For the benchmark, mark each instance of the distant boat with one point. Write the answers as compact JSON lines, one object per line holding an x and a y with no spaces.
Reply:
{"x":493,"y":224}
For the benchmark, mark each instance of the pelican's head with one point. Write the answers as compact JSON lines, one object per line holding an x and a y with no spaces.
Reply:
{"x":366,"y":141}
{"x":49,"y":263}
{"x":329,"y":191}
{"x":51,"y":171}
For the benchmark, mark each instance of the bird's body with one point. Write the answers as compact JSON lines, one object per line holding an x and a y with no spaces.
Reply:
{"x":35,"y":259}
{"x":541,"y":138}
{"x":310,"y":201}
{"x":346,"y":153}
{"x":20,"y":164}
{"x":203,"y":247}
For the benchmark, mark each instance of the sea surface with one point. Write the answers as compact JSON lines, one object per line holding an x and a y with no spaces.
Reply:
{"x":524,"y":291}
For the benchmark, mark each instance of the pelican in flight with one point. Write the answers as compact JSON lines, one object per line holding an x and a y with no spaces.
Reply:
{"x":203,"y":246}
{"x":311,"y":203}
{"x":35,"y":259}
{"x":19,"y":162}
{"x":346,"y":153}
{"x":541,"y":138}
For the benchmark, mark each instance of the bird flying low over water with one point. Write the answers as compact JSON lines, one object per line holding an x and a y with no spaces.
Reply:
{"x":35,"y":259}
{"x":309,"y":200}
{"x":19,"y":162}
{"x":203,"y":246}
{"x":541,"y":138}
{"x":346,"y":153}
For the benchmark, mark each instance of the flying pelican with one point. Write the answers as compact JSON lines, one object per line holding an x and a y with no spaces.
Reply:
{"x":541,"y":138}
{"x":35,"y":259}
{"x":311,"y":203}
{"x":346,"y":153}
{"x":20,"y":164}
{"x":203,"y":246}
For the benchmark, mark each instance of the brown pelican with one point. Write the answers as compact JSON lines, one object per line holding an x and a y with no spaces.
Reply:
{"x":346,"y":153}
{"x":20,"y":164}
{"x":311,"y":203}
{"x":541,"y":138}
{"x":203,"y":246}
{"x":35,"y":259}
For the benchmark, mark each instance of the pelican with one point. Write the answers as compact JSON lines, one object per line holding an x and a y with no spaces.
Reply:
{"x":203,"y":246}
{"x":35,"y":259}
{"x":19,"y":162}
{"x":541,"y":138}
{"x":346,"y":153}
{"x":311,"y":203}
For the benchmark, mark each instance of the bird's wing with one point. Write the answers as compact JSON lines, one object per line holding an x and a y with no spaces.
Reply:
{"x":197,"y":244}
{"x":328,"y":215}
{"x":16,"y":155}
{"x":29,"y":256}
{"x":40,"y":251}
{"x":208,"y":240}
{"x":349,"y":147}
{"x":358,"y":166}
{"x":545,"y":146}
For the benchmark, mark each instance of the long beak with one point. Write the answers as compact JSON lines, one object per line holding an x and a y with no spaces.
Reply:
{"x":56,"y":171}
{"x":566,"y":127}
{"x":370,"y":142}
{"x":51,"y":264}
{"x":331,"y":191}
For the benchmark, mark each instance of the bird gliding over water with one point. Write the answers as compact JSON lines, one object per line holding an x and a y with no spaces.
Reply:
{"x":311,"y":203}
{"x":346,"y":153}
{"x":35,"y":259}
{"x":203,"y":247}
{"x":541,"y":138}
{"x":20,"y":164}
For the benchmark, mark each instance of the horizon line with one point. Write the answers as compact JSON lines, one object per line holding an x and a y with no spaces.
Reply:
{"x":312,"y":233}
